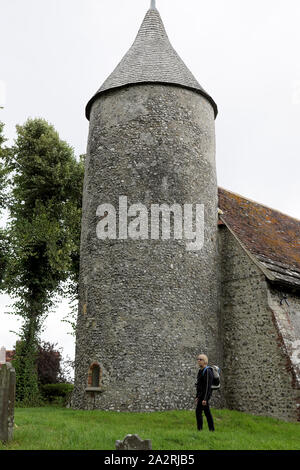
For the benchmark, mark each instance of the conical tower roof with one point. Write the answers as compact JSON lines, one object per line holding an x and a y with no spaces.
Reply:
{"x":151,"y":59}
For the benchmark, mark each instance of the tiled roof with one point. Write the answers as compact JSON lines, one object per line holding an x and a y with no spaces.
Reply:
{"x":271,"y":237}
{"x":151,"y":59}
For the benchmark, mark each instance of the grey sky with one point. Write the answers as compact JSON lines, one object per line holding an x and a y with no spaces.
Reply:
{"x":56,"y":54}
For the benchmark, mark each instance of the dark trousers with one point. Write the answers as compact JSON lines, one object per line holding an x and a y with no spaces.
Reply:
{"x":199,"y":409}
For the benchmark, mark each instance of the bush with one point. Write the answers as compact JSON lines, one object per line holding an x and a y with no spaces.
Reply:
{"x":49,"y":364}
{"x":58,"y":394}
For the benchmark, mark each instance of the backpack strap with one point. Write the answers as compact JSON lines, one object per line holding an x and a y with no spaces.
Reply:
{"x":203,"y":372}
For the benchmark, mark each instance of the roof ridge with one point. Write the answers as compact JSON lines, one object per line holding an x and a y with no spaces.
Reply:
{"x":259,"y":204}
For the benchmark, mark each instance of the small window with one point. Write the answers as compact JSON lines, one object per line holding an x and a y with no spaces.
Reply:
{"x":94,"y":376}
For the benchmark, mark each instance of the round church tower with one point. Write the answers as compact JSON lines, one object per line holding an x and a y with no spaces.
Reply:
{"x":148,"y":274}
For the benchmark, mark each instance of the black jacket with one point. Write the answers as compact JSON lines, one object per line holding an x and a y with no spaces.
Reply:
{"x":204,"y":383}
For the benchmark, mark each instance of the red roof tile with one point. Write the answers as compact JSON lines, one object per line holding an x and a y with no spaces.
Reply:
{"x":272,"y":237}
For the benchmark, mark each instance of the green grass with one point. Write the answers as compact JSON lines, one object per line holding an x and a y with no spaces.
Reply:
{"x":53,"y":428}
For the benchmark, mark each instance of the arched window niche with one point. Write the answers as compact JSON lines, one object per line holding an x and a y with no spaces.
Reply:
{"x":94,"y":378}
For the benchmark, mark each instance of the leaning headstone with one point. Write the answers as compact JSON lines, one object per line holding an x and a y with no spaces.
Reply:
{"x":133,"y":442}
{"x":2,"y":355}
{"x":7,"y":401}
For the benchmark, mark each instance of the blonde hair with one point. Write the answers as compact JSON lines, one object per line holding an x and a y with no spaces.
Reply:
{"x":204,"y":357}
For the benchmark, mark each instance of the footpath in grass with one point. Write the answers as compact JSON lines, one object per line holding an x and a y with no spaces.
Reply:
{"x":52,"y":428}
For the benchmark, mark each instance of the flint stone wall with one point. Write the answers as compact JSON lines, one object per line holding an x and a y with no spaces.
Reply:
{"x":147,"y":307}
{"x":258,"y":377}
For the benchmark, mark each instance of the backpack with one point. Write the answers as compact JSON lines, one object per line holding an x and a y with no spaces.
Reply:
{"x":216,"y":377}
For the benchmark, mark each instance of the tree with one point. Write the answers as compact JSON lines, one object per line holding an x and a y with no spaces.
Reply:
{"x":3,"y":172}
{"x":51,"y":368}
{"x":4,"y":245}
{"x":43,"y":230}
{"x":49,"y":364}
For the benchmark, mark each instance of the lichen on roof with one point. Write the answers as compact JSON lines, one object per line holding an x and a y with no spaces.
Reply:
{"x":272,"y":237}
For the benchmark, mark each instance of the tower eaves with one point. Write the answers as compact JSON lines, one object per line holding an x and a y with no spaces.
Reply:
{"x":151,"y":59}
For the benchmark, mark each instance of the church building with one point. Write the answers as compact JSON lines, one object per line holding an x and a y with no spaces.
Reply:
{"x":151,"y":299}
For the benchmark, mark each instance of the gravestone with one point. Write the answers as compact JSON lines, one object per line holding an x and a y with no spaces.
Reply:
{"x":133,"y":442}
{"x":2,"y":355}
{"x":7,"y":401}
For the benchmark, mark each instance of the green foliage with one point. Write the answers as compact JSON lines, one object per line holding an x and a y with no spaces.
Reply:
{"x":4,"y":254}
{"x":42,"y":235}
{"x":53,"y":428}
{"x":4,"y":240}
{"x":39,"y":365}
{"x":3,"y":169}
{"x":57,"y":393}
{"x":45,"y":213}
{"x":24,"y":362}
